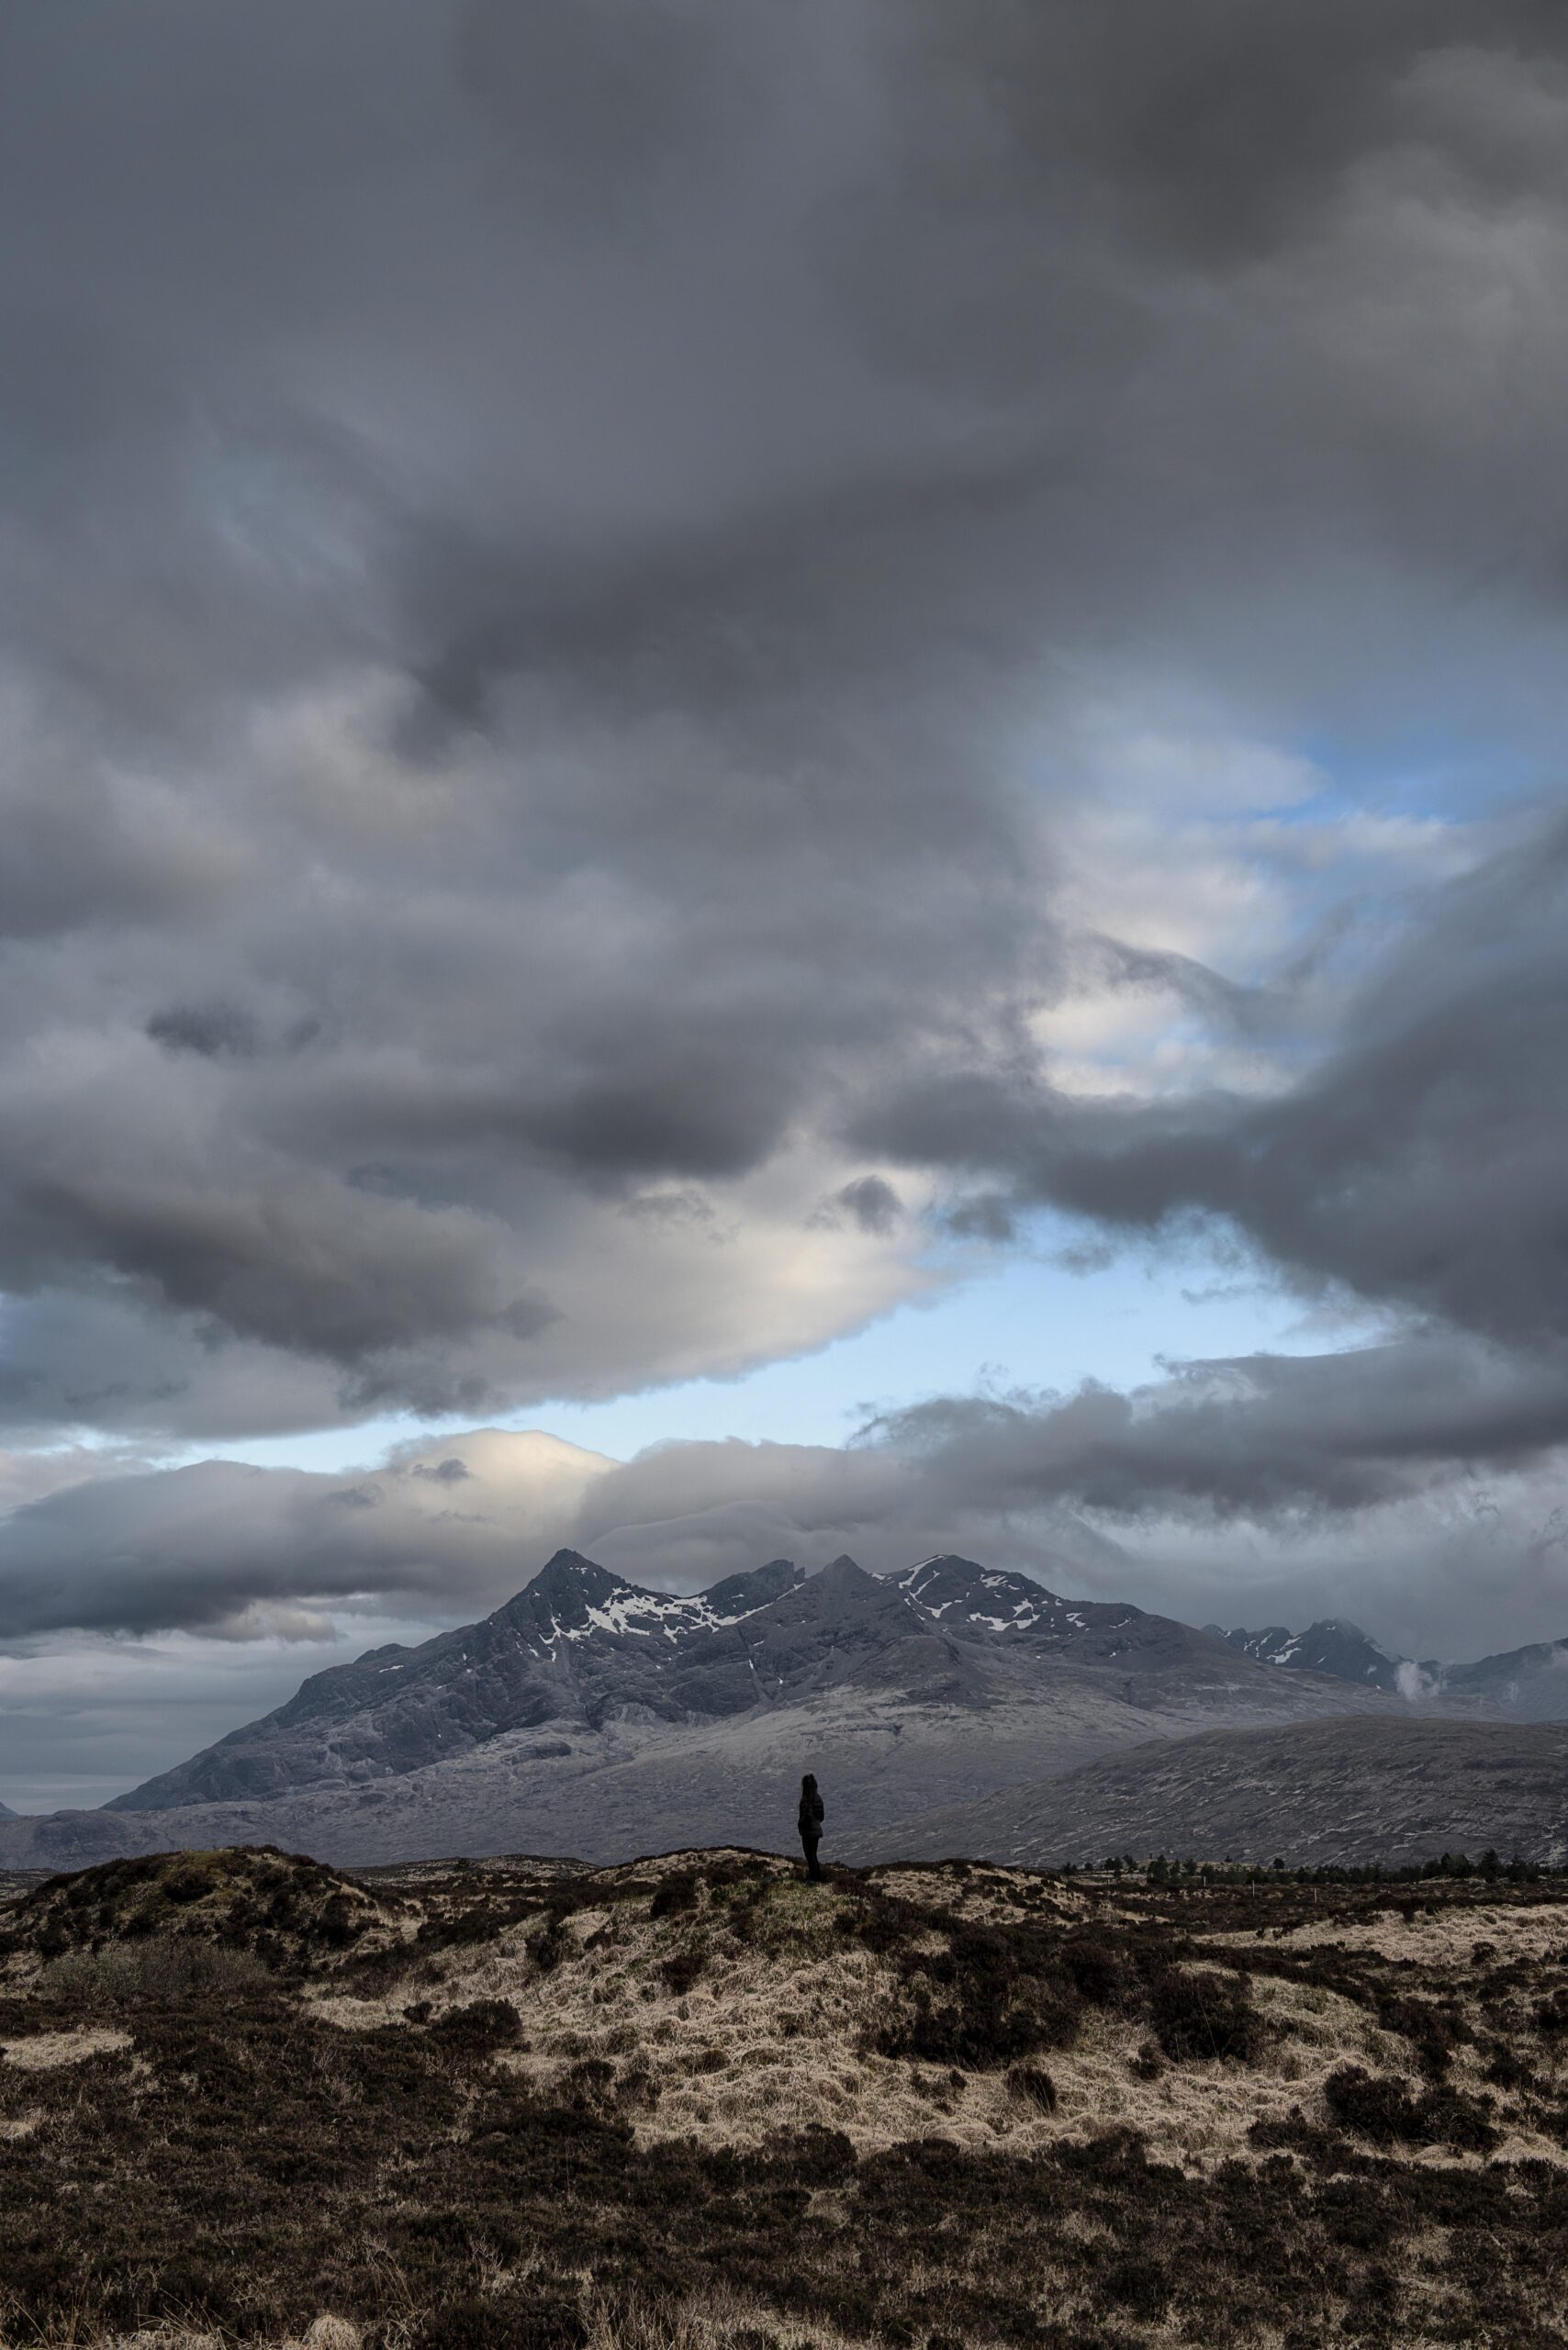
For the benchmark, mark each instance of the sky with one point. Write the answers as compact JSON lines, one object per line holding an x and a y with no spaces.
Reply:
{"x":780,"y":775}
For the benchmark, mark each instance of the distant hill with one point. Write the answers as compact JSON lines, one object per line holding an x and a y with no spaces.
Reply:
{"x":1329,"y":1646}
{"x":587,"y":1717}
{"x":1529,"y":1683}
{"x":1390,"y":1787}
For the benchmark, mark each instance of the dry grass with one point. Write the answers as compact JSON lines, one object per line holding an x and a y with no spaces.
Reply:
{"x":40,"y":2052}
{"x":1440,"y":1936}
{"x":718,"y":2320}
{"x":770,"y":2037}
{"x":174,"y":1923}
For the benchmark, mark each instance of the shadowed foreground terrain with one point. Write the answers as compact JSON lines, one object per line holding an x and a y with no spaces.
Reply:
{"x":693,"y":2101}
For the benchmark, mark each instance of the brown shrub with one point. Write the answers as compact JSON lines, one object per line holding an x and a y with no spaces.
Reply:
{"x":162,"y":1969}
{"x":676,"y":1893}
{"x":483,"y":2024}
{"x":1098,"y":1970}
{"x":991,"y":1998}
{"x":1205,"y":2016}
{"x":1032,"y":2085}
{"x":1378,"y":2107}
{"x":681,"y":1969}
{"x":550,"y":1945}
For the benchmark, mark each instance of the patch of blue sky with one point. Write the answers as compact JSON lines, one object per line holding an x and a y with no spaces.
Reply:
{"x":1030,"y":1321}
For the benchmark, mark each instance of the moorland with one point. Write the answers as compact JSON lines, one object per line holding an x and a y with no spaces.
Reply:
{"x":695,"y":2101}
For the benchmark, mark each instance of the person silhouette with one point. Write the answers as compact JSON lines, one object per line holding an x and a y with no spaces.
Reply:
{"x":810,"y":1823}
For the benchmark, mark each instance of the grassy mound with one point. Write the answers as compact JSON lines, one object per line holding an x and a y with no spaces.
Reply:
{"x":165,"y":1916}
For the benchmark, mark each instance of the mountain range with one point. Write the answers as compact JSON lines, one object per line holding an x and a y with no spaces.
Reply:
{"x":591,"y":1717}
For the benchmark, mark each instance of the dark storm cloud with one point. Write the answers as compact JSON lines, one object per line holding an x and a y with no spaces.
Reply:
{"x":1213,"y":135}
{"x":588,"y":100}
{"x":873,"y":1203}
{"x":223,"y":1547}
{"x":1419,"y":1164}
{"x":212,"y":1030}
{"x":544,"y":550}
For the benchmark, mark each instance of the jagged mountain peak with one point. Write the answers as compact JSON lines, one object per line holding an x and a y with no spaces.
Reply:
{"x":576,"y":1608}
{"x":577,"y":1647}
{"x":741,"y":1594}
{"x":581,"y":1656}
{"x":844,"y":1573}
{"x":843,"y":1588}
{"x":568,"y":1576}
{"x":997,"y":1603}
{"x":1530,"y":1682}
{"x":576,"y":1598}
{"x":995,"y":1594}
{"x":569,"y":1568}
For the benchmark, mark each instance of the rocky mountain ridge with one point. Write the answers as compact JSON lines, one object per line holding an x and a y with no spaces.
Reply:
{"x":573,"y":1646}
{"x":1530,"y":1684}
{"x":589,"y":1716}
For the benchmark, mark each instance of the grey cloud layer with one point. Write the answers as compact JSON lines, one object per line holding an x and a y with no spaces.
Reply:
{"x":548,"y":550}
{"x":1413,"y":1482}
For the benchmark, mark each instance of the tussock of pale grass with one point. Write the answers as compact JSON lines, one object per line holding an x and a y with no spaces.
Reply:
{"x":711,"y":2324}
{"x":983,"y":1893}
{"x":40,"y":2052}
{"x":710,"y":2321}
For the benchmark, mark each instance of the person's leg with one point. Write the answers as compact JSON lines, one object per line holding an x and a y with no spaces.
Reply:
{"x":812,"y":1871}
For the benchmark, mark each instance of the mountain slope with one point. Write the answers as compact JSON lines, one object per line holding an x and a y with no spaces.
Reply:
{"x":1381,"y":1788}
{"x":976,"y":1603}
{"x":575,"y":1645}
